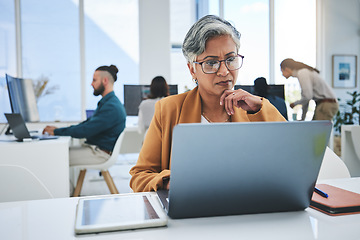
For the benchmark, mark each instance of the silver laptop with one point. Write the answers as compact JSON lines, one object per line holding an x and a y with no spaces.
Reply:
{"x":242,"y":168}
{"x":19,"y":129}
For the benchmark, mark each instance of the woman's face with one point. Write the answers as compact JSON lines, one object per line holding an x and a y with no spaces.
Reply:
{"x":217,"y":48}
{"x":286,"y":72}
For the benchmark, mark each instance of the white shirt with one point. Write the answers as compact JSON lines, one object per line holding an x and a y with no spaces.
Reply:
{"x":312,"y":87}
{"x":146,"y":113}
{"x":203,"y":119}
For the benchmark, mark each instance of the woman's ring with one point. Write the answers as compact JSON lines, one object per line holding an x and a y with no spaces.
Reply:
{"x":233,"y":93}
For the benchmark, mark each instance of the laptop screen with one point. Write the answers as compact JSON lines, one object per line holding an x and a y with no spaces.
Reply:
{"x":17,"y":125}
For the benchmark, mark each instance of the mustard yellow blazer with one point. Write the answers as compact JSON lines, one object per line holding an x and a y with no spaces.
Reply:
{"x":154,"y":159}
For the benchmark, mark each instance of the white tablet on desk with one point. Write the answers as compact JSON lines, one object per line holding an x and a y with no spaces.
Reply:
{"x":120,"y":212}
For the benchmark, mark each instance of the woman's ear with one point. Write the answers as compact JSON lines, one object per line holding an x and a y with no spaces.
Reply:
{"x":192,"y":70}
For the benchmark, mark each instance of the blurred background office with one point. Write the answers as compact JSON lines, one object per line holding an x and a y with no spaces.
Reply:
{"x":58,"y":44}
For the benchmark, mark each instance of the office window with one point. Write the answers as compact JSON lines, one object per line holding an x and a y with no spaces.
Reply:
{"x":8,"y":52}
{"x":182,"y":17}
{"x":251,"y":19}
{"x":213,"y":7}
{"x":51,"y":50}
{"x":111,"y":37}
{"x":205,"y":7}
{"x":295,"y":37}
{"x":50,"y":45}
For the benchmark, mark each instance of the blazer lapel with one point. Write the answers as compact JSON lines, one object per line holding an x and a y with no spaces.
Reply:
{"x":191,"y":109}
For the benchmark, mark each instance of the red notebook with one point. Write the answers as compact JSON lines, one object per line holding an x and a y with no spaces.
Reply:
{"x":339,"y":201}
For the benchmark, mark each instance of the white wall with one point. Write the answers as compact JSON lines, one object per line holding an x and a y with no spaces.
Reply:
{"x":340,"y":25}
{"x":154,"y":40}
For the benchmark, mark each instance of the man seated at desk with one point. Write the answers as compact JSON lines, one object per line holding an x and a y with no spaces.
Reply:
{"x":100,"y":130}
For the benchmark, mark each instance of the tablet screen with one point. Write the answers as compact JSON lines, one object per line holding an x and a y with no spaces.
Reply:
{"x":131,"y":208}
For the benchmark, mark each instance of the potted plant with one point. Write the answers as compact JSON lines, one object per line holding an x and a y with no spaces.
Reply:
{"x":348,"y":112}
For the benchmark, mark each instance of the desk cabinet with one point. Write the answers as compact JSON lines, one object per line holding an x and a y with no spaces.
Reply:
{"x":47,"y":159}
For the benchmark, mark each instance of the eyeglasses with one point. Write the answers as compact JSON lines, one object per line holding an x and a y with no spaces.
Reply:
{"x":212,"y":66}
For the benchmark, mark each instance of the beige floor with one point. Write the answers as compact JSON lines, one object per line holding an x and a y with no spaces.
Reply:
{"x":94,"y":184}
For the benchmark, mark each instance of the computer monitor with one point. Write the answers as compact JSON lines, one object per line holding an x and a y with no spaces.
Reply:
{"x":134,"y":94}
{"x":273,"y":89}
{"x":22,"y":98}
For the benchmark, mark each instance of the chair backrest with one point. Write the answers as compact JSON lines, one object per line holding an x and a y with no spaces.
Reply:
{"x":132,"y":141}
{"x":129,"y":141}
{"x":332,"y":166}
{"x":20,"y":184}
{"x":350,"y":150}
{"x":355,"y":136}
{"x":112,"y":159}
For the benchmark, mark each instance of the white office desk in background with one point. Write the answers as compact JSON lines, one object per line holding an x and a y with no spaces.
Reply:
{"x":46,"y":159}
{"x":55,"y":219}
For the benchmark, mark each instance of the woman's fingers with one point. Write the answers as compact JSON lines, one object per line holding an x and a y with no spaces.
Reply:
{"x":240,"y":99}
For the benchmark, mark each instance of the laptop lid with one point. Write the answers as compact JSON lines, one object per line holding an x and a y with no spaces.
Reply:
{"x":240,"y":168}
{"x":19,"y":129}
{"x":17,"y":125}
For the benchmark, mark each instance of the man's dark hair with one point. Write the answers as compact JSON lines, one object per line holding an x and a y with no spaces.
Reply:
{"x":112,"y":69}
{"x":261,"y":87}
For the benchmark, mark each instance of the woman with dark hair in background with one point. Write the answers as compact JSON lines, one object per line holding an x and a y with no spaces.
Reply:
{"x":158,"y":89}
{"x":312,"y":87}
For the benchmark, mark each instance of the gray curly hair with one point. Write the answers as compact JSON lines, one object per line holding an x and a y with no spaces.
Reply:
{"x":205,"y":28}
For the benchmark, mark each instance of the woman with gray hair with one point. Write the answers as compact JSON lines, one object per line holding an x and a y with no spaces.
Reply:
{"x":211,"y":48}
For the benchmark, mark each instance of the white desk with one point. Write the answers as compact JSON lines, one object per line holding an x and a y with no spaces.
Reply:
{"x":54,"y":219}
{"x":47,"y":159}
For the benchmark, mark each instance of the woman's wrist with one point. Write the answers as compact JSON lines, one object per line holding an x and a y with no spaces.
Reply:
{"x":166,"y":181}
{"x":257,"y":109}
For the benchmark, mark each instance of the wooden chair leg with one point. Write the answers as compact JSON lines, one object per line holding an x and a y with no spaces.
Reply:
{"x":79,"y":183}
{"x":110,"y":182}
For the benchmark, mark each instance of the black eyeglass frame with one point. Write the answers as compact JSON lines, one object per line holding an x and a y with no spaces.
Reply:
{"x":238,"y":55}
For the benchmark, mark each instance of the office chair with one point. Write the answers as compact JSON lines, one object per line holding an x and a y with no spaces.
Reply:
{"x":129,"y":141}
{"x":350,"y":150}
{"x":20,"y":184}
{"x":332,"y":166}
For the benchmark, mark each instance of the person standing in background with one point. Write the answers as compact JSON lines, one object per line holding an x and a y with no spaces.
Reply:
{"x":313,"y":87}
{"x":158,"y":90}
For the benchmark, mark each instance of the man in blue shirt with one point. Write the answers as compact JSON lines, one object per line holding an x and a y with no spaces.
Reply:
{"x":103,"y":128}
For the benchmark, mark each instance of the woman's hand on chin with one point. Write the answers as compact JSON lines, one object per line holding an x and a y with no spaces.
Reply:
{"x":240,"y":99}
